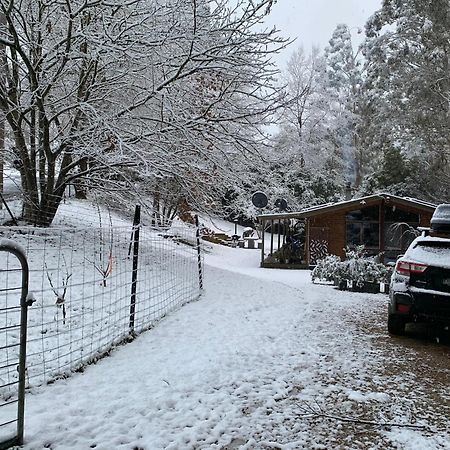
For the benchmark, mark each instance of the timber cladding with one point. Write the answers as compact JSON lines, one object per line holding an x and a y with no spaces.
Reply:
{"x":425,"y":219}
{"x":333,"y":227}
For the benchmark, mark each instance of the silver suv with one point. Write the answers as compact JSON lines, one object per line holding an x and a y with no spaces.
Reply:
{"x":420,"y":284}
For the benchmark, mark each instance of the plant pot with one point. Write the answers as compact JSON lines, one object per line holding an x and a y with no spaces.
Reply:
{"x":371,"y":287}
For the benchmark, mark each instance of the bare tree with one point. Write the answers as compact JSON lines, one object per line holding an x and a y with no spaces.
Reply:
{"x":304,"y":80}
{"x":309,"y":158}
{"x":167,"y":88}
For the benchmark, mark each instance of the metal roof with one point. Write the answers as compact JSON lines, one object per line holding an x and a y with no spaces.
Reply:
{"x":349,"y":204}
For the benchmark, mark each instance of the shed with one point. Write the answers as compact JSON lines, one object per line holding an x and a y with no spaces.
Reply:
{"x":385,"y":224}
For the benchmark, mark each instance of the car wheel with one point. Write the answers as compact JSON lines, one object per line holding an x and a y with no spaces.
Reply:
{"x":396,"y":324}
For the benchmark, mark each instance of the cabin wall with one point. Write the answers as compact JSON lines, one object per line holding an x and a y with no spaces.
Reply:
{"x":331,"y":227}
{"x":326,"y":231}
{"x":333,"y":230}
{"x":425,"y":219}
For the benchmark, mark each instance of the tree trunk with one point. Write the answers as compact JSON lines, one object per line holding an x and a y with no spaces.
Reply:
{"x":156,"y":205}
{"x":81,"y":188}
{"x":30,"y":205}
{"x":40,"y":213}
{"x":40,"y":200}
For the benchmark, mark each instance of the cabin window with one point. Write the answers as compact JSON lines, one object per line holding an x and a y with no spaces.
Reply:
{"x":394,"y":214}
{"x":400,"y":229}
{"x":363,"y":227}
{"x":363,"y":233}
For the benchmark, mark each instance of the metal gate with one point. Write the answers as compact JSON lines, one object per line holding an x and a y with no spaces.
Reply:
{"x":13,"y":333}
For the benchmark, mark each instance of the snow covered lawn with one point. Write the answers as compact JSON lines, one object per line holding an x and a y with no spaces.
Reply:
{"x":257,"y":363}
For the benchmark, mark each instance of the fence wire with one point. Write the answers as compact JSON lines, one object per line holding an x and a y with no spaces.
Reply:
{"x":80,"y":279}
{"x":10,"y":290}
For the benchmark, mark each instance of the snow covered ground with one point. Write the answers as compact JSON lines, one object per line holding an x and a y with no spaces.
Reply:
{"x":11,"y":182}
{"x":65,"y":265}
{"x":264,"y":360}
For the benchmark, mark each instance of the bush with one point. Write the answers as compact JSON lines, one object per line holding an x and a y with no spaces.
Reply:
{"x":357,"y":268}
{"x":327,"y":269}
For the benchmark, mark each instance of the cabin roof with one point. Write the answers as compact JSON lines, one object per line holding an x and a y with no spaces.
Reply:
{"x":349,"y":205}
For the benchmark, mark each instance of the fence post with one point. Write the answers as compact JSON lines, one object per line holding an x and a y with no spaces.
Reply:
{"x":136,"y":226}
{"x":199,"y":255}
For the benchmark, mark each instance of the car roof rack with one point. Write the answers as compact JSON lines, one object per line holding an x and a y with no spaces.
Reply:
{"x":425,"y":231}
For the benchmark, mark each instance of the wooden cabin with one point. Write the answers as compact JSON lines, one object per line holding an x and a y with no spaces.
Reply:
{"x":385,"y":224}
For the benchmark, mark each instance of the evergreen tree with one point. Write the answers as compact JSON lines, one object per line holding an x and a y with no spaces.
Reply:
{"x":407,"y":90}
{"x":343,"y":84}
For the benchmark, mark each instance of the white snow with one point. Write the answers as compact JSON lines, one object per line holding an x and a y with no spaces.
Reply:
{"x":422,"y":250}
{"x":11,"y":181}
{"x":236,"y":369}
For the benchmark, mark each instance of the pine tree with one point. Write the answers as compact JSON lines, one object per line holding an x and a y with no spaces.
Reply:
{"x":344,"y":83}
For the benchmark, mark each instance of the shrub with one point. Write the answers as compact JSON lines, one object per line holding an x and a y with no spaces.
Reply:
{"x":327,"y":268}
{"x":357,"y":268}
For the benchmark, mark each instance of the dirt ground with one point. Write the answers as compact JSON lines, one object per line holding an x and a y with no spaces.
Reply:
{"x":404,"y":384}
{"x":414,"y":371}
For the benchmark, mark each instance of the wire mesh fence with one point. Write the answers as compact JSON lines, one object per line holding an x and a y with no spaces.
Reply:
{"x":81,"y":281}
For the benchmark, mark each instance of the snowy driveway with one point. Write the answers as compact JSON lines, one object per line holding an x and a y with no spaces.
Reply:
{"x":257,"y":363}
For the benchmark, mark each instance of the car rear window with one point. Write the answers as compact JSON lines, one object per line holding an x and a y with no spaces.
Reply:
{"x":433,"y":245}
{"x":436,"y":253}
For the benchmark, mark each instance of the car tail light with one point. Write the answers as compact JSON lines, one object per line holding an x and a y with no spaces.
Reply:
{"x":407,"y":267}
{"x":402,"y":308}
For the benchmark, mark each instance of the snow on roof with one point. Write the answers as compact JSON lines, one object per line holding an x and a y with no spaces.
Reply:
{"x":306,"y":212}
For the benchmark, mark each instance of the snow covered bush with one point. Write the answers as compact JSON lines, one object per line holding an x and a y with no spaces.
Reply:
{"x":327,"y":268}
{"x":360,"y":268}
{"x":357,"y":268}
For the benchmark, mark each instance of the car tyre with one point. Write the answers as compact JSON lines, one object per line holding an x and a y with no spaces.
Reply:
{"x":396,"y":324}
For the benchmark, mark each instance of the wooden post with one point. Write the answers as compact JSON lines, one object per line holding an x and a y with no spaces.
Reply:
{"x":136,"y":226}
{"x":307,"y":241}
{"x":381,"y":224}
{"x":279,"y":235}
{"x":271,"y":237}
{"x":263,"y":228}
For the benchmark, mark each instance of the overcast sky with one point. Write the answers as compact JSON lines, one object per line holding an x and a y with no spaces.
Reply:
{"x":312,"y":21}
